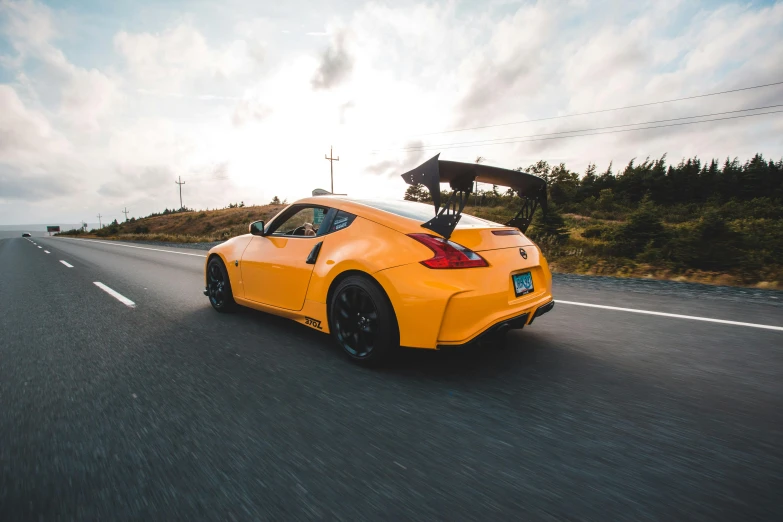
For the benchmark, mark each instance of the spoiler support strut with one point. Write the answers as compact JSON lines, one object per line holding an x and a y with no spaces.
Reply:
{"x":449,"y":215}
{"x":524,"y":216}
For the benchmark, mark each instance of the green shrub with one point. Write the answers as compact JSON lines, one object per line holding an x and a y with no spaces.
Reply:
{"x":644,"y":230}
{"x":549,"y":228}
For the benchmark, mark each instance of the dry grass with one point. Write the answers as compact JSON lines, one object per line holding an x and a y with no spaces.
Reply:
{"x":206,"y":225}
{"x":191,"y":227}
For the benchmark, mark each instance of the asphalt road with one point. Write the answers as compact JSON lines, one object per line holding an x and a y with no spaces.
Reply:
{"x":169,"y":411}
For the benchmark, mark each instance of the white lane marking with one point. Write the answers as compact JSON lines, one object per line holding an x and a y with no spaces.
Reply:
{"x":676,"y":316}
{"x":40,"y":247}
{"x":118,"y":296}
{"x":133,"y":246}
{"x":66,"y":263}
{"x":47,"y":251}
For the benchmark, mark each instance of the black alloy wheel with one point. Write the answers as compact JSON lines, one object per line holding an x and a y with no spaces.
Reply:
{"x":219,"y":286}
{"x":362,"y":320}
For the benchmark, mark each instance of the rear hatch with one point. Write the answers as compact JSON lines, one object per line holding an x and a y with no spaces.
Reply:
{"x":512,"y":257}
{"x":480,"y":239}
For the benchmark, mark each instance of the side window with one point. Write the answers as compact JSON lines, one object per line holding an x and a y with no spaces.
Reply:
{"x":304,"y":222}
{"x":341,"y":220}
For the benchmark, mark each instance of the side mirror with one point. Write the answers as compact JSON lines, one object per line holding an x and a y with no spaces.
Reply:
{"x":257,"y":228}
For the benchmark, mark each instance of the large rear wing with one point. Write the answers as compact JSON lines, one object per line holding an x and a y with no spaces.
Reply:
{"x":461,"y":176}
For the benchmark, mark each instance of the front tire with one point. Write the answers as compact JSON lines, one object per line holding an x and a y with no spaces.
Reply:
{"x":362,"y":321}
{"x":219,"y":287}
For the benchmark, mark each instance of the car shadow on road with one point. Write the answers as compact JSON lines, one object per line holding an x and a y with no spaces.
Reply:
{"x":520,"y":351}
{"x":531,"y":363}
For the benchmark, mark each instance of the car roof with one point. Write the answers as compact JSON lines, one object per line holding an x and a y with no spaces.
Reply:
{"x":363,"y":207}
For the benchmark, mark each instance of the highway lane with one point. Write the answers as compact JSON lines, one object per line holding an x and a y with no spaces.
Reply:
{"x":169,"y":410}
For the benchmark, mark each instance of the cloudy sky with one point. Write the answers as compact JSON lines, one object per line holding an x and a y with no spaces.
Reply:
{"x":104,"y":104}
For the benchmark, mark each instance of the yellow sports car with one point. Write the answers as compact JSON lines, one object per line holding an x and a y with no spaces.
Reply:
{"x":380,"y":274}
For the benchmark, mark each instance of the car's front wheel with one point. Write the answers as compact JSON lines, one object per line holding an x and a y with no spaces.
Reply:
{"x":219,"y":286}
{"x":362,"y":321}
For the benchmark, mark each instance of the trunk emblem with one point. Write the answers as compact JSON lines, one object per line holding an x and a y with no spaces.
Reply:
{"x":523,"y":253}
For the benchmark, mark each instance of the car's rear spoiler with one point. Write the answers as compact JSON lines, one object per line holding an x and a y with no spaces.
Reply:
{"x":531,"y":190}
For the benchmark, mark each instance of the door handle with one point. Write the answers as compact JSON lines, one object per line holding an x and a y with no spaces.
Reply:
{"x":311,"y":258}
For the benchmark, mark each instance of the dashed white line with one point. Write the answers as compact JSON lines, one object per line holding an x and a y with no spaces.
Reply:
{"x":111,"y":243}
{"x":676,"y":316}
{"x":118,"y":296}
{"x":40,"y":247}
{"x":47,"y":251}
{"x":66,"y":263}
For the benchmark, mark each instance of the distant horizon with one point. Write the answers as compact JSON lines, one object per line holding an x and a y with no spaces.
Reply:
{"x":41,"y":227}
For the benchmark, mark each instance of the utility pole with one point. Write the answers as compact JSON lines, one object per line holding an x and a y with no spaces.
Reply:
{"x":99,"y":221}
{"x":479,"y":159}
{"x":126,"y":213}
{"x":331,"y":159}
{"x":180,"y":183}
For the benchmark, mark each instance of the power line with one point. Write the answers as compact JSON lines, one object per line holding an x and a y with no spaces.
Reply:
{"x":456,"y":146}
{"x":492,"y":140}
{"x":605,"y":110}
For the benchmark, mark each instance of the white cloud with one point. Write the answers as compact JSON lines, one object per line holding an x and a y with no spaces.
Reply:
{"x":84,"y":95}
{"x":336,"y":63}
{"x":31,"y":153}
{"x":21,"y":130}
{"x":180,"y":60}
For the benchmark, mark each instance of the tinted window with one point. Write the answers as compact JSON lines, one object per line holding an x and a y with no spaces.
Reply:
{"x":341,"y":220}
{"x":422,"y":212}
{"x":305,"y":221}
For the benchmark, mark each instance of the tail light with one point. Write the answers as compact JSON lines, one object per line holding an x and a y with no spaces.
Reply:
{"x":448,"y":254}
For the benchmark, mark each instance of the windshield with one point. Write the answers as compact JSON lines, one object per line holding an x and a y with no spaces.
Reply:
{"x":419,"y":211}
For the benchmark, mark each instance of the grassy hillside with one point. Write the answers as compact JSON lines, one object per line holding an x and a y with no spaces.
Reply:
{"x":187,"y":226}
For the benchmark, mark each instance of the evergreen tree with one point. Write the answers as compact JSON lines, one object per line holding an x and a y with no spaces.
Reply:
{"x":549,"y":227}
{"x":644,"y":229}
{"x":415,"y":192}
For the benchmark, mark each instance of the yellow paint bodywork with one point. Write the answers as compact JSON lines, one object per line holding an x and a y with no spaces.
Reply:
{"x":432,"y":307}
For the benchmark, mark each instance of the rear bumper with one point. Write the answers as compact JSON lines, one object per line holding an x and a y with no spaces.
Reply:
{"x":513,"y":323}
{"x":452,"y":307}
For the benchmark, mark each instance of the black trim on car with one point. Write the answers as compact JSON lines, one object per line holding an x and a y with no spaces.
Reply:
{"x":541,"y":310}
{"x":311,"y":259}
{"x":515,"y":323}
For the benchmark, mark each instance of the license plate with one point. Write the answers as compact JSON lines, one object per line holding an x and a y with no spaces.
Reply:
{"x":523,"y":283}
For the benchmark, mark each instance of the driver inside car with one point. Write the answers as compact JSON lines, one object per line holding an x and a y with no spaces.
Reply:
{"x":309,"y":230}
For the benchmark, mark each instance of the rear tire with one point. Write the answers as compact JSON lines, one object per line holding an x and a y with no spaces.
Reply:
{"x":362,"y":321}
{"x":219,"y":287}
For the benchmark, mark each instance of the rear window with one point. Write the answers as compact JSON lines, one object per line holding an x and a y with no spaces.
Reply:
{"x":341,"y":220}
{"x":421,"y":212}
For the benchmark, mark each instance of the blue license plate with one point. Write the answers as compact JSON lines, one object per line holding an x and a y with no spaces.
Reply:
{"x":523,"y":283}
